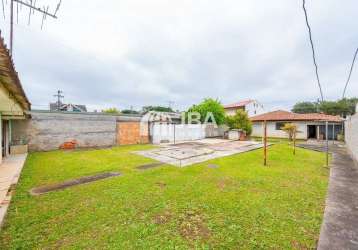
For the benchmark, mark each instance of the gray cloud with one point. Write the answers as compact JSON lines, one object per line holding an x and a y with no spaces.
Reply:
{"x":142,"y":52}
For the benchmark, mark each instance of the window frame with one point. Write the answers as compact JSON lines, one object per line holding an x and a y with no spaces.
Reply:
{"x":281,"y":123}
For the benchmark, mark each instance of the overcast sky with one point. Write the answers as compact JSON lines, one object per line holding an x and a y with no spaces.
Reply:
{"x":122,"y":53}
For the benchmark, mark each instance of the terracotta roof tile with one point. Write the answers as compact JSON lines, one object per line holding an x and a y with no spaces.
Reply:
{"x":238,"y":104}
{"x":282,"y":115}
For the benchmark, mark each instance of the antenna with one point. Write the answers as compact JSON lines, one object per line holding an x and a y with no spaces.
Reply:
{"x":59,"y":96}
{"x":31,"y":4}
{"x":3,"y":7}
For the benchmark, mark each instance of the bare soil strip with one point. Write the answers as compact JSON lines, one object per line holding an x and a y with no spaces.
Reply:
{"x":151,"y":165}
{"x":70,"y":183}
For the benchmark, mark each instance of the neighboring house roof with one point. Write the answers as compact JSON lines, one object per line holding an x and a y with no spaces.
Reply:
{"x":238,"y":104}
{"x":164,"y":116}
{"x":282,"y":115}
{"x":68,"y":107}
{"x":9,"y":77}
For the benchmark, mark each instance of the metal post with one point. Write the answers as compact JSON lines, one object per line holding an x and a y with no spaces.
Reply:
{"x":10,"y":132}
{"x":11,"y":25}
{"x":265,"y":143}
{"x":333,"y":134}
{"x":174,"y":133}
{"x":294,"y":141}
{"x":327,"y":143}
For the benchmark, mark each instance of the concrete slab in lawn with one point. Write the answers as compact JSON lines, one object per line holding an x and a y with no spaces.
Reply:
{"x":188,"y":153}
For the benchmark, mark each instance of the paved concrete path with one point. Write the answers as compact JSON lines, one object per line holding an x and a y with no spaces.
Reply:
{"x":10,"y":170}
{"x":340,"y":223}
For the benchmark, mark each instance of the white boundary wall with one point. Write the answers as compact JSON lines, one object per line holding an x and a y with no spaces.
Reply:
{"x":176,"y":132}
{"x":351,"y":135}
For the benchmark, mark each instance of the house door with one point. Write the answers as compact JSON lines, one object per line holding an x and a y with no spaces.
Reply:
{"x":312,"y":132}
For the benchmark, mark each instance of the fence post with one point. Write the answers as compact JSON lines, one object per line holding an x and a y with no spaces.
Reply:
{"x":294,"y":142}
{"x":174,"y":132}
{"x":265,"y":143}
{"x":327,"y":143}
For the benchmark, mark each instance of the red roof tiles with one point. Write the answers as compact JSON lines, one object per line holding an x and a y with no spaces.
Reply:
{"x":281,"y":115}
{"x":238,"y":104}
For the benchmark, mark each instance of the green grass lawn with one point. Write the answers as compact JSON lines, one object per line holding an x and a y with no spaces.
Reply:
{"x":241,"y":204}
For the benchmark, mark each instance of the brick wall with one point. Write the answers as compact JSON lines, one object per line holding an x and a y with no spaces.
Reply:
{"x":49,"y":130}
{"x":131,"y":133}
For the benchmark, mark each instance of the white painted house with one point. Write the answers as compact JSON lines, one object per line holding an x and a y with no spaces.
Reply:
{"x":252,"y":107}
{"x":310,"y":126}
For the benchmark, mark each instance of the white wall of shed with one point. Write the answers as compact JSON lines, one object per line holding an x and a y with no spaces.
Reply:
{"x":176,"y":132}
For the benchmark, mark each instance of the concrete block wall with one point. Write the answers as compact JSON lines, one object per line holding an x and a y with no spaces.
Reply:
{"x":48,"y":130}
{"x":351,"y":135}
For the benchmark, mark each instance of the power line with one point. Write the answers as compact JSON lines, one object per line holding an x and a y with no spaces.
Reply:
{"x":350,"y":73}
{"x":313,"y":50}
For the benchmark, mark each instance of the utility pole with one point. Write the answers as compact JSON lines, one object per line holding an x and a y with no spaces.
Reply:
{"x":11,"y":25}
{"x":32,"y":9}
{"x":59,"y":96}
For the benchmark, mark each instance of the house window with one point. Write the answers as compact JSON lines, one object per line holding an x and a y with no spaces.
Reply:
{"x":279,"y":125}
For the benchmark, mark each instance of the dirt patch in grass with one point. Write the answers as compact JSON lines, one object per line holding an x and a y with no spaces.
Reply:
{"x":224,"y":183}
{"x":149,"y":166}
{"x":213,"y":166}
{"x":163,"y":217}
{"x":192,"y":226}
{"x":160,"y":184}
{"x":70,"y":183}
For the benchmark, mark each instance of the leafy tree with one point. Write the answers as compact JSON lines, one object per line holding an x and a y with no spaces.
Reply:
{"x":305,"y":107}
{"x":343,"y":107}
{"x":157,"y":108}
{"x":240,"y":121}
{"x":290,"y":129}
{"x":111,"y":111}
{"x":208,"y":106}
{"x":334,"y":108}
{"x":349,"y":105}
{"x":129,"y":111}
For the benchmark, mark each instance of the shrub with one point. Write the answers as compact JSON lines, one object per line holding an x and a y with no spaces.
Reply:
{"x":290,"y":129}
{"x":239,"y":121}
